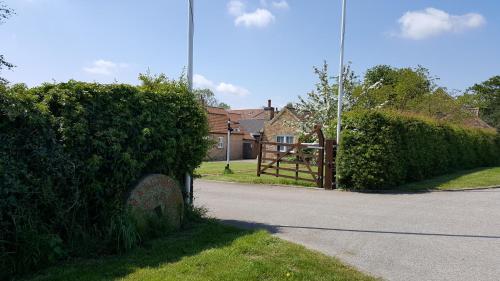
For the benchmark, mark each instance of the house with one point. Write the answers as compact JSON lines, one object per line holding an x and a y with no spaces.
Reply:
{"x":218,"y":124}
{"x":251,"y":122}
{"x":249,"y":125}
{"x":475,"y":121}
{"x":283,"y":127}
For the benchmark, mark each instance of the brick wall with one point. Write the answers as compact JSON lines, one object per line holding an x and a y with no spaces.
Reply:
{"x":281,"y":125}
{"x":218,"y":154}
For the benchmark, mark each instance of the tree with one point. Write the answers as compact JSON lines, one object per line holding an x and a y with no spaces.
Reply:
{"x":439,"y":104}
{"x":486,"y":97}
{"x":224,"y":105}
{"x":319,"y":106}
{"x":5,"y":13}
{"x":207,"y":97}
{"x":388,"y":87}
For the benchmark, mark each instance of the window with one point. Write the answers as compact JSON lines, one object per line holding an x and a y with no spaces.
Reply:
{"x":221,"y":142}
{"x":284,"y":139}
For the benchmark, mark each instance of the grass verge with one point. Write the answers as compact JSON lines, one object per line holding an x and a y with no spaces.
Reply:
{"x":246,"y":172}
{"x":481,"y":177}
{"x":209,"y":251}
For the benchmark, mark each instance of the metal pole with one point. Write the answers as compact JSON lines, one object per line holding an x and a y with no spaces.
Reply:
{"x":341,"y":87}
{"x":228,"y":154}
{"x":188,"y":179}
{"x":190,"y":44}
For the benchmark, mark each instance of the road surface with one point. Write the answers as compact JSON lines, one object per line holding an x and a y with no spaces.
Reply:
{"x":430,"y":236}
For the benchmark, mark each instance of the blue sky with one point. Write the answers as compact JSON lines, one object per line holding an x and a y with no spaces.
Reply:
{"x":250,"y":50}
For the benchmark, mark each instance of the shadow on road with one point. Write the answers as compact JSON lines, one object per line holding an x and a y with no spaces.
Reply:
{"x":278,"y":229}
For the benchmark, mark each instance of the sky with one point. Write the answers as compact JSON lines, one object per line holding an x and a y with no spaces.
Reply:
{"x":248,"y":51}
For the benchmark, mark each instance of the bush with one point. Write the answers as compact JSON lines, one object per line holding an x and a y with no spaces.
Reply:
{"x":70,"y":152}
{"x":382,"y":149}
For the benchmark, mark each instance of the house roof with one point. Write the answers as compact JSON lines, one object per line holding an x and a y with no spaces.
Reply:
{"x":477,"y":122}
{"x":216,"y":110}
{"x":252,"y":125}
{"x":217,"y":120}
{"x":285,"y":109}
{"x":245,"y":114}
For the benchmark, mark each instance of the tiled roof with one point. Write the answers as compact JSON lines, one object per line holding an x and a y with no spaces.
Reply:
{"x":217,"y":120}
{"x":252,"y":125}
{"x":245,"y":114}
{"x":235,"y":117}
{"x":216,"y":110}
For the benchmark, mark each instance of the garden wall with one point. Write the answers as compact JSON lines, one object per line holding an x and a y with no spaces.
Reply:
{"x":69,"y":154}
{"x":380,"y":149}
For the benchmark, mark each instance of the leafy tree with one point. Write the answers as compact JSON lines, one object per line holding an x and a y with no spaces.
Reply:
{"x":207,"y":97}
{"x":486,"y":97}
{"x":224,"y":105}
{"x":439,"y":105}
{"x":319,"y":106}
{"x":388,"y":87}
{"x":155,"y":82}
{"x":151,"y":82}
{"x":5,"y":13}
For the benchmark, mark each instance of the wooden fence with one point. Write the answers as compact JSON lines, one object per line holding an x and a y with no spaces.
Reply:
{"x":310,"y":162}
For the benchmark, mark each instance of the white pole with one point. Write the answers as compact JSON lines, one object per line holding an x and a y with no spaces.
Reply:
{"x":190,"y":44}
{"x":341,"y":87}
{"x":228,"y":154}
{"x":189,"y":186}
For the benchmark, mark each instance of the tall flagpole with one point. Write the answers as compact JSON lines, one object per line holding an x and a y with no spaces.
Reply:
{"x":190,"y":44}
{"x":341,"y":89}
{"x":189,"y":178}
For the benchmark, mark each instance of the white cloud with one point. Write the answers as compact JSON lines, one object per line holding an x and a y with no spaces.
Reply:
{"x":282,"y":4}
{"x":230,"y":89}
{"x":104,"y":67}
{"x":431,"y":22}
{"x":259,"y":18}
{"x":235,"y":8}
{"x":201,"y":81}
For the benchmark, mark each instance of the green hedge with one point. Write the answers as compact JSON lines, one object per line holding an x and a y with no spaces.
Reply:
{"x":69,"y":154}
{"x":380,"y":150}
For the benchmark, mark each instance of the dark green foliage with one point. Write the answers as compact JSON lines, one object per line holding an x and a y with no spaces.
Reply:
{"x":69,"y":154}
{"x":486,"y":97}
{"x":382,"y":149}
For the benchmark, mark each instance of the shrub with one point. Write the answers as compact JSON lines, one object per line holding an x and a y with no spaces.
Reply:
{"x":70,"y":152}
{"x":382,"y":149}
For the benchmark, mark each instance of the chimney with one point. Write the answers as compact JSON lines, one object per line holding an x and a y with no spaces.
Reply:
{"x":270,"y":109}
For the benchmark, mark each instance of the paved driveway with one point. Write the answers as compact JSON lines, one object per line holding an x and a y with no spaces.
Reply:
{"x":431,"y":236}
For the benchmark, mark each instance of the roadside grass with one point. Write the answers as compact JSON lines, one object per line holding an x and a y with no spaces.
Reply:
{"x":480,"y":177}
{"x":209,"y":251}
{"x":246,"y":172}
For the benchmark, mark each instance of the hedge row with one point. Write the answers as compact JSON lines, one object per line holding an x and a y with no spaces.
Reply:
{"x":69,"y":154}
{"x":381,"y":150}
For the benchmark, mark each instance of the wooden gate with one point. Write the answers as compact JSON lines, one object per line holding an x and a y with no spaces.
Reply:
{"x":300,"y":161}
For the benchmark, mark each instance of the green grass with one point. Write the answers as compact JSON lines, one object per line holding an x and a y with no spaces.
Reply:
{"x":481,"y":177}
{"x":246,"y":172}
{"x":209,"y":251}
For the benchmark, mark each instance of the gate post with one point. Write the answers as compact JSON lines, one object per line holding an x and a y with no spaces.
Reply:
{"x":330,"y":166}
{"x":259,"y":157}
{"x":321,"y":156}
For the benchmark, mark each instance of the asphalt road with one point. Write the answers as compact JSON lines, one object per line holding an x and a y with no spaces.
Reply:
{"x":431,"y":236}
